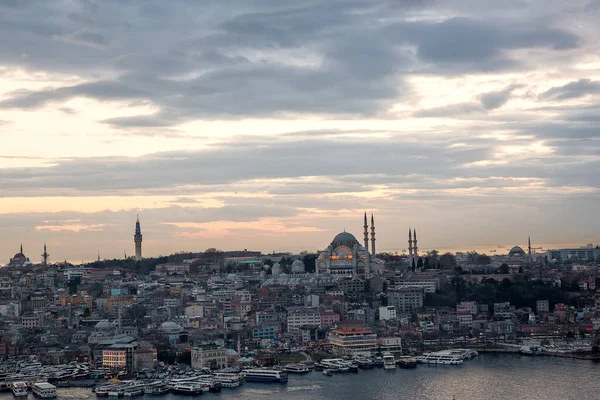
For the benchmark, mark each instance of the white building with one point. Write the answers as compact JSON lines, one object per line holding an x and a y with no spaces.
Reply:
{"x":296,"y":319}
{"x":386,"y":313}
{"x":406,"y":299}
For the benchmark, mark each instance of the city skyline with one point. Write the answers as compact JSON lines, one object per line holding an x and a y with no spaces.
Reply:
{"x":275,"y":126}
{"x":111,"y":253}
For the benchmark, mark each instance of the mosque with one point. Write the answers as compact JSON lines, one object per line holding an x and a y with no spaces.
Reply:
{"x":20,"y":260}
{"x":346,"y":257}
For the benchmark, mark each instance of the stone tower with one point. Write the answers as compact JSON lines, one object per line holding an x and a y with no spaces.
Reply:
{"x":137,"y":238}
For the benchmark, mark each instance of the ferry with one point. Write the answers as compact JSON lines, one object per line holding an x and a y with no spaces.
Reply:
{"x":190,"y":389}
{"x":157,"y":388}
{"x":440,"y":358}
{"x":296,"y":368}
{"x":134,"y":389}
{"x":44,"y":390}
{"x":265,"y":375}
{"x":19,"y":389}
{"x":229,"y":380}
{"x":336,"y":365}
{"x":389,"y":362}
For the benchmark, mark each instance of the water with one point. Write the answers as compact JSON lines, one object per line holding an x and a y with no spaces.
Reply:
{"x":485,"y":377}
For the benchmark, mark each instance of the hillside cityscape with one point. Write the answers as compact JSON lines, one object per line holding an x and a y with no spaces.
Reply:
{"x":217,"y":310}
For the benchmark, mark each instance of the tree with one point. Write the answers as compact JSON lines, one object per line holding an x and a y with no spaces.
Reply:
{"x":433,"y":255}
{"x":86,"y":312}
{"x":310,"y":261}
{"x":426,"y":263}
{"x":503,"y":269}
{"x":414,"y":266}
{"x":447,"y":260}
{"x":420,"y":263}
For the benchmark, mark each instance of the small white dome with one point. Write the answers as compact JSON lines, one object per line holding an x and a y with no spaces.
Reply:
{"x":170,"y":326}
{"x":103,"y":325}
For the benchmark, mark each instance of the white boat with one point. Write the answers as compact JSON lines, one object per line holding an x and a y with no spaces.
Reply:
{"x":440,"y":358}
{"x":296,"y":368}
{"x":44,"y":390}
{"x":265,"y":375}
{"x":389,"y":362}
{"x":190,"y":389}
{"x":19,"y":389}
{"x":135,"y":389}
{"x":229,"y":380}
{"x":157,"y":388}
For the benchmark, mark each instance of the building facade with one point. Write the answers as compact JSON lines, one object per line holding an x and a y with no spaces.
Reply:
{"x":209,"y":356}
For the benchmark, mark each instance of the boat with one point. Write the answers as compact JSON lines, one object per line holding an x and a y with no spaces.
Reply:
{"x":189,"y":389}
{"x":389,"y":362}
{"x":19,"y":389}
{"x":102,"y":391}
{"x":116,"y":391}
{"x":265,"y":375}
{"x":353,"y":367}
{"x":406,"y":362}
{"x":229,"y":380}
{"x":327,"y":372}
{"x":440,"y":358}
{"x":44,"y":390}
{"x":209,"y":384}
{"x":157,"y":388}
{"x":296,"y":368}
{"x":134,"y":389}
{"x":379,"y":362}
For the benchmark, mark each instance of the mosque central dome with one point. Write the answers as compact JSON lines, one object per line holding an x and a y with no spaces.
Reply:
{"x":344,"y":237}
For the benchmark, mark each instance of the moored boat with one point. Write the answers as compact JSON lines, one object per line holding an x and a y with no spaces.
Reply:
{"x":189,"y":389}
{"x":296,"y":368}
{"x":19,"y":389}
{"x":265,"y":375}
{"x":44,"y":390}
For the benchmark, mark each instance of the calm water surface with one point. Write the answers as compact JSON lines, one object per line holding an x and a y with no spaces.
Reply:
{"x":485,"y":377}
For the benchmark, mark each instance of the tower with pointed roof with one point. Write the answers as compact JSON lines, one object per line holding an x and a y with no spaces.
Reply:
{"x":373,"y":237}
{"x":529,"y":247}
{"x":415,"y":247}
{"x":137,"y":239}
{"x":366,"y":233}
{"x":45,"y":256}
{"x":410,"y":242}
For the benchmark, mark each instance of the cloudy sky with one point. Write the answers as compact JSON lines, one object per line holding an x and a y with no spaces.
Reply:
{"x":273,"y":125}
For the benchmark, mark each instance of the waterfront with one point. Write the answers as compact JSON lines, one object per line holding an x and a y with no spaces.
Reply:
{"x":488,"y":376}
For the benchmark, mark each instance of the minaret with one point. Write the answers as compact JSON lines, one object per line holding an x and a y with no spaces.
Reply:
{"x":21,"y":248}
{"x":366,"y":239}
{"x":410,"y":242}
{"x":415,"y":248}
{"x":137,"y":239}
{"x":45,"y":256}
{"x":529,"y":247}
{"x":98,"y":255}
{"x":373,"y":236}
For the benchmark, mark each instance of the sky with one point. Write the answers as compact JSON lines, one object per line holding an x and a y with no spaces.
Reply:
{"x":274,"y":125}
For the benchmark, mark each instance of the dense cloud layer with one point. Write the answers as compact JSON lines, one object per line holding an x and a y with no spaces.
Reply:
{"x":425,"y":111}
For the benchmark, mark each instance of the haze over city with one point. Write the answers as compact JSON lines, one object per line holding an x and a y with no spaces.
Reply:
{"x":272,"y":126}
